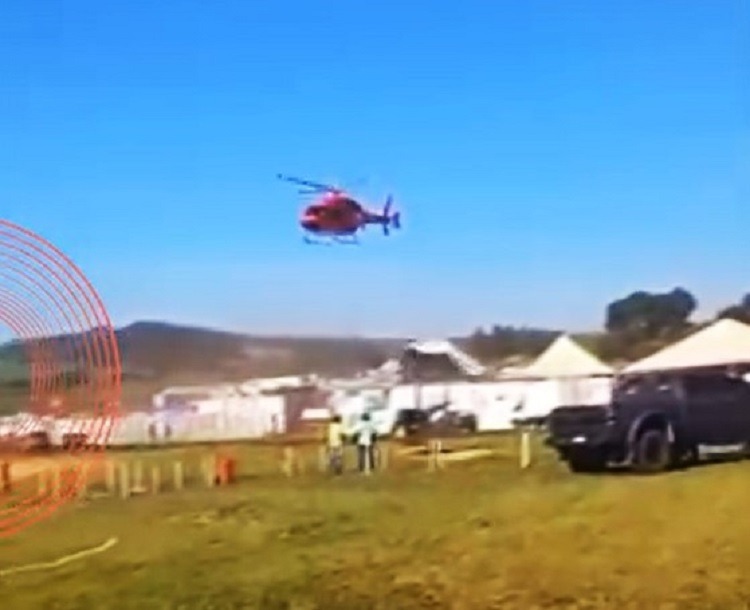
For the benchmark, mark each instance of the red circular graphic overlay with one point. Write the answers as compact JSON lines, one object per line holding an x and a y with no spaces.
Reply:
{"x":64,"y":335}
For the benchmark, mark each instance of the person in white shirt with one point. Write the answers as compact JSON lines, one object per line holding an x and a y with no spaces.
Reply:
{"x":366,"y":437}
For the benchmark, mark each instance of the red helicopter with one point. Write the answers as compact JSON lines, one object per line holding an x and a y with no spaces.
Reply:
{"x":338,"y":216}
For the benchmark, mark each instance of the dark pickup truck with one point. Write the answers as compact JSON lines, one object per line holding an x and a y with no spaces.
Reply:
{"x":654,"y":423}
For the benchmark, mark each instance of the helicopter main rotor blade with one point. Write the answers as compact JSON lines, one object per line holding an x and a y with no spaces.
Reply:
{"x":319,"y":187}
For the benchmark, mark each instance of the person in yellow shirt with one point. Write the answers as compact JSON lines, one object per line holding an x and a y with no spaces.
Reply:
{"x":335,"y":443}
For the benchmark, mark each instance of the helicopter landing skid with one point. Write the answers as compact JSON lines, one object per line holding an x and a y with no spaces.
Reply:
{"x":352,"y":241}
{"x":313,"y":242}
{"x":333,"y":240}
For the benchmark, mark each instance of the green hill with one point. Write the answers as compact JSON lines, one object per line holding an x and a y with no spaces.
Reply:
{"x":157,"y":354}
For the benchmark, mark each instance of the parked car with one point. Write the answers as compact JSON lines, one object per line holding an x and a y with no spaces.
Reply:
{"x":74,"y":440}
{"x":34,"y":441}
{"x":437,"y":419}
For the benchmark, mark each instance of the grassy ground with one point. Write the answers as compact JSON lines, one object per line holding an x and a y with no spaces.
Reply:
{"x":478,"y":535}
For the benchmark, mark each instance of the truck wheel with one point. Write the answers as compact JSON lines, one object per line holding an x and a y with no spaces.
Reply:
{"x":587,"y":461}
{"x":652,"y":452}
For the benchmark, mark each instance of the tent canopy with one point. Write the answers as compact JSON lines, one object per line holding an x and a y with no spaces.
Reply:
{"x":564,"y":358}
{"x":724,"y":343}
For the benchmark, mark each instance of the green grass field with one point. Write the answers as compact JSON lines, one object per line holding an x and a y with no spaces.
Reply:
{"x":477,"y":535}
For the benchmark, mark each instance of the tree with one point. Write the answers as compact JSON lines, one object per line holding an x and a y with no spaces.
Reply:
{"x":739,"y":312}
{"x":647,"y":316}
{"x":501,"y":342}
{"x":480,"y":344}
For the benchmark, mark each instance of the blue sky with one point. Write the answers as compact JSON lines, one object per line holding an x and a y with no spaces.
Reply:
{"x":547,"y":156}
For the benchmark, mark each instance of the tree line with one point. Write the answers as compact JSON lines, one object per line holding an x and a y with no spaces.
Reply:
{"x":635,"y":326}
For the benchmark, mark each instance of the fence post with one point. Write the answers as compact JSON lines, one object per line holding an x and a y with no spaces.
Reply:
{"x":57,"y":482}
{"x":138,"y":477}
{"x":83,"y":483}
{"x":525,"y":449}
{"x":7,"y":485}
{"x":439,"y":463}
{"x":42,"y":482}
{"x":179,"y":476}
{"x":323,"y":458}
{"x":287,"y":465}
{"x":155,"y":479}
{"x":110,"y":476}
{"x":383,"y":451}
{"x":124,"y":480}
{"x":209,"y":470}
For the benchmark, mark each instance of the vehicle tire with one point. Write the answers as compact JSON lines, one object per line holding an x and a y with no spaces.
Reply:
{"x":587,"y":461}
{"x":470,"y":425}
{"x":652,"y":452}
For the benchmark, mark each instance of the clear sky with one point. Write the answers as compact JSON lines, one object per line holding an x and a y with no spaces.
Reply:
{"x":548,"y":156}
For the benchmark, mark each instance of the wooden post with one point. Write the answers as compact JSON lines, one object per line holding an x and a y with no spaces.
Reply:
{"x":124,"y":480}
{"x":209,"y":470}
{"x":179,"y":476}
{"x":155,"y":479}
{"x":7,"y":484}
{"x":288,"y":461}
{"x":525,"y":453}
{"x":57,"y":482}
{"x":323,"y":458}
{"x":383,"y":451}
{"x":298,"y":462}
{"x":42,"y":482}
{"x":138,"y":477}
{"x":83,"y":480}
{"x":439,"y":463}
{"x":110,"y":477}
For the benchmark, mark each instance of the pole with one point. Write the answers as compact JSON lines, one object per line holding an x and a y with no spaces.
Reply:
{"x":525,"y":453}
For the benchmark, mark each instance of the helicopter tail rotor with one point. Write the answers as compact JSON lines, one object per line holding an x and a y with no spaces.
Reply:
{"x":390,"y":220}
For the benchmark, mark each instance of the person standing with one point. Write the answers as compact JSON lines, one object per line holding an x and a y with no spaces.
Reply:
{"x":366,"y":438}
{"x":335,"y":445}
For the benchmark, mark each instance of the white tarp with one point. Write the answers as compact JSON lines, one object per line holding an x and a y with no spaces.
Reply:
{"x":238,"y":419}
{"x":541,"y":397}
{"x":189,"y":393}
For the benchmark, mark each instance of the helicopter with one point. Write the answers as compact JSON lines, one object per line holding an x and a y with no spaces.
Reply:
{"x":337,"y":216}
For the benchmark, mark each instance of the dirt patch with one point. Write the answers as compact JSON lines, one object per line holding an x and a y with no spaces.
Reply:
{"x":448,"y":455}
{"x":466,"y":454}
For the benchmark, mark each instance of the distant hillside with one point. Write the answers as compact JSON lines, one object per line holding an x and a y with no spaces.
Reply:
{"x":158,"y":350}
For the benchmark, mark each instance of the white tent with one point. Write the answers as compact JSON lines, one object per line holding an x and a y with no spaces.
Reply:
{"x":465,"y":363}
{"x":565,"y":359}
{"x":726,"y":342}
{"x":564,"y":374}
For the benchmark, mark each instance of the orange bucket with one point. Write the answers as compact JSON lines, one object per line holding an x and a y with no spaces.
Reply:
{"x":227,"y":471}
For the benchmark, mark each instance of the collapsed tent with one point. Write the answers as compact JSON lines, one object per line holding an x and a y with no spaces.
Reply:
{"x":438,"y":360}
